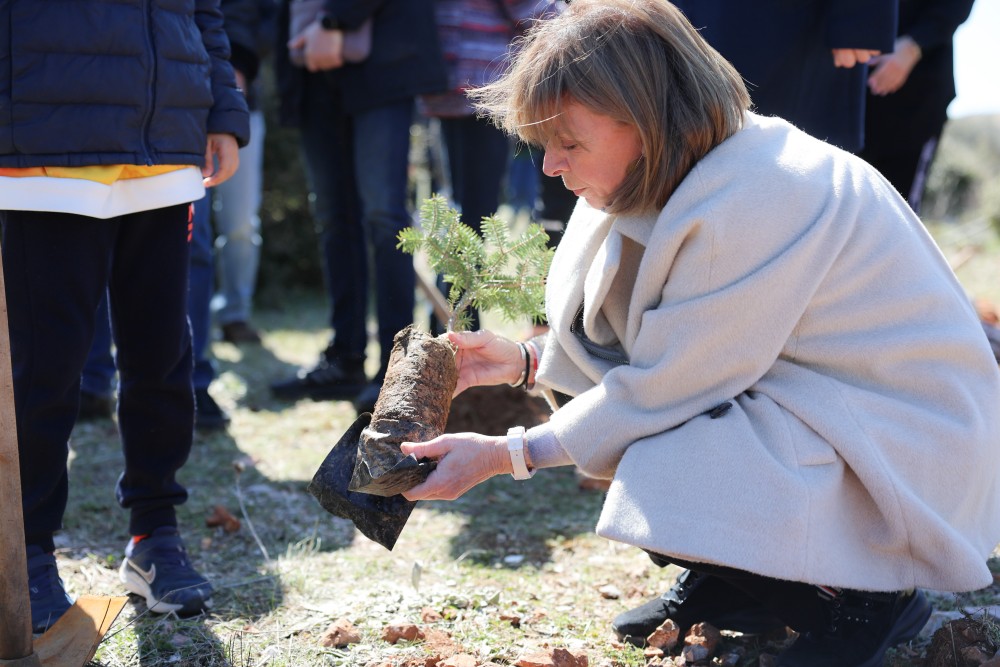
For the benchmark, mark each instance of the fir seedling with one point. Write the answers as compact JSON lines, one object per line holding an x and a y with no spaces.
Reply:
{"x":492,"y":272}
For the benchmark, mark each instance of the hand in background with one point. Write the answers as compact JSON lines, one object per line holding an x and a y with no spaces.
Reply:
{"x":323,"y":49}
{"x":484,"y":358}
{"x":851,"y":57}
{"x":464,"y":460}
{"x":893,"y":69}
{"x":222,"y":158}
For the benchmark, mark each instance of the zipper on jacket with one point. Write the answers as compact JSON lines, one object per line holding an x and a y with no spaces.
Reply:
{"x":150,"y":82}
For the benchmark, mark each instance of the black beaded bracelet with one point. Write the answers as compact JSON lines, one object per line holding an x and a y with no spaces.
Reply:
{"x":527,"y":366}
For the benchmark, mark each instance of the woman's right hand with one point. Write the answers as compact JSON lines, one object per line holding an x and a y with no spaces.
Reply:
{"x":484,"y":358}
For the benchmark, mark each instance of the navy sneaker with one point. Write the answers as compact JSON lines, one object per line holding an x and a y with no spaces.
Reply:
{"x":861,"y":627}
{"x":49,"y":600}
{"x":157,"y":568}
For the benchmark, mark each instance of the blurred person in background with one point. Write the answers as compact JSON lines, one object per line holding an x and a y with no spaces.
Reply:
{"x":909,"y":91}
{"x":476,"y":37}
{"x":355,"y":122}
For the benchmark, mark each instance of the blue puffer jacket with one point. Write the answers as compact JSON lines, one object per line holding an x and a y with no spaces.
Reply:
{"x":126,"y":82}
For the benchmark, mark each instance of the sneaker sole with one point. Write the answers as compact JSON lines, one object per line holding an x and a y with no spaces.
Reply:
{"x":134,"y":583}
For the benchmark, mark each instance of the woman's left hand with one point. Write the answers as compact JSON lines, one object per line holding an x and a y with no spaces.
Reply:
{"x":464,"y":460}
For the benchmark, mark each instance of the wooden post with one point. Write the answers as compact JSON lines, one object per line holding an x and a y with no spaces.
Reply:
{"x":15,"y":605}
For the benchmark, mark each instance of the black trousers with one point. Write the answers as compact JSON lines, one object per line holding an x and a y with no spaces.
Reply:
{"x":57,"y":267}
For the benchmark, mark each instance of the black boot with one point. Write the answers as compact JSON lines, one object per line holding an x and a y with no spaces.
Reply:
{"x":860,"y":628}
{"x":696,"y":598}
{"x":334,"y":377}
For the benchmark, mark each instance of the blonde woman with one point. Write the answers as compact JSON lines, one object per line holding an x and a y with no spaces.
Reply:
{"x":753,"y":336}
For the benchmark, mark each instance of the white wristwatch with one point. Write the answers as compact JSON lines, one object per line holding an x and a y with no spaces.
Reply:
{"x":515,"y":447}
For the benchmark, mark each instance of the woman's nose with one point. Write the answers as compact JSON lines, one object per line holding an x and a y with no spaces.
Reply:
{"x":553,"y":164}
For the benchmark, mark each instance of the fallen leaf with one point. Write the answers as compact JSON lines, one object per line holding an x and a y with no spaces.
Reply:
{"x":220,"y":516}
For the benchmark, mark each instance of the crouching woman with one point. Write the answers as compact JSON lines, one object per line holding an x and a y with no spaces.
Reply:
{"x":753,"y":336}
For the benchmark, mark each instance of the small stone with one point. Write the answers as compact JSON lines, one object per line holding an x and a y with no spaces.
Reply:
{"x":340,"y":633}
{"x":609,"y":592}
{"x":651,"y":652}
{"x":665,"y":637}
{"x":704,"y":635}
{"x":559,"y":657}
{"x":460,"y":660}
{"x":428,"y":615}
{"x":401,"y":631}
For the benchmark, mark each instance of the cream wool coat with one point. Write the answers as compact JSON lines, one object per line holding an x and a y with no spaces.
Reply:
{"x":862,"y":446}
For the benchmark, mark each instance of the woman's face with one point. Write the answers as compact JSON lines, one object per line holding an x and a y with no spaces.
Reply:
{"x":591,"y":152}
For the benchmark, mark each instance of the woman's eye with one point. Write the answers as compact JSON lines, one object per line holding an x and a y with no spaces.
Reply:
{"x":569,"y":147}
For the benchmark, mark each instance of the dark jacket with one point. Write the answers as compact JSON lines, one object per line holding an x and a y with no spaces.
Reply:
{"x":918,"y":110}
{"x":127,"y":82}
{"x":782,"y":49}
{"x":250,"y":26}
{"x":405,"y":60}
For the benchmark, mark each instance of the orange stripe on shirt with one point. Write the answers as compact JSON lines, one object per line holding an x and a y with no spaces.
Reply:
{"x":106,"y":174}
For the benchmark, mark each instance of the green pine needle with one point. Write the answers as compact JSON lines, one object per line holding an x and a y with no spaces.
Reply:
{"x":492,"y":272}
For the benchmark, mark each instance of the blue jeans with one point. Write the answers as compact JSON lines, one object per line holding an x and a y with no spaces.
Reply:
{"x":59,"y":267}
{"x":235,"y":208}
{"x":357,"y":170}
{"x":478,"y":154}
{"x":200,"y":294}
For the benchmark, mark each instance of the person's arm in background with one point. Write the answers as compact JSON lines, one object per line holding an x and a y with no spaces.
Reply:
{"x":229,"y":119}
{"x":323,"y":47}
{"x":859,"y":30}
{"x":934,"y":26}
{"x":243,"y":20}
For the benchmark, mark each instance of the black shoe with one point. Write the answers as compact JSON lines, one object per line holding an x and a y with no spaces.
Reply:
{"x":861,"y":628}
{"x":696,"y":598}
{"x":95,"y":406}
{"x":208,"y":416}
{"x":240,"y":332}
{"x":365,"y":401}
{"x":332,"y":378}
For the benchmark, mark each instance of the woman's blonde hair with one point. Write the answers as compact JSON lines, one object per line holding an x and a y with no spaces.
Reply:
{"x":639,"y":62}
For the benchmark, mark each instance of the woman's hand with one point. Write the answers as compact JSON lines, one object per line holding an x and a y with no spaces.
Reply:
{"x":484,"y":358}
{"x":464,"y":460}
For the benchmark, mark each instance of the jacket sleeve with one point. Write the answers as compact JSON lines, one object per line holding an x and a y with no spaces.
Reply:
{"x":862,"y":24}
{"x":229,"y":114}
{"x":937,"y":21}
